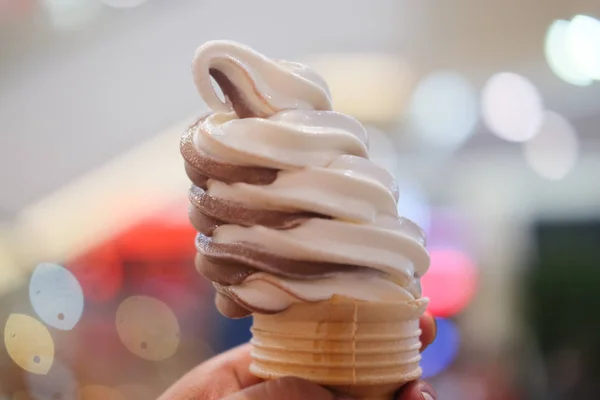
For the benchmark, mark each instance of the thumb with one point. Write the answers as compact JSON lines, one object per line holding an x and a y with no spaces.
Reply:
{"x":289,"y":388}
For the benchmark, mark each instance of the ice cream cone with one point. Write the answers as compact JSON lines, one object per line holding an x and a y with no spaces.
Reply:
{"x":290,"y":211}
{"x":364,"y":349}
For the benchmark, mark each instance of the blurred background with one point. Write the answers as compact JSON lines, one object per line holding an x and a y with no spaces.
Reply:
{"x":487,"y":112}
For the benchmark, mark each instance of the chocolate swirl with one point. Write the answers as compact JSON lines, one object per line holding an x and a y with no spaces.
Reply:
{"x":287,"y":205}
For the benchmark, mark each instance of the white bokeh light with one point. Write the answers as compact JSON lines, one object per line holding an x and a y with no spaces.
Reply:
{"x":71,"y":14}
{"x":443,"y":109}
{"x":512,"y":107}
{"x":56,"y":296}
{"x":412,"y":204}
{"x":559,"y":58}
{"x":552,"y":153}
{"x":124,"y":3}
{"x":583,"y":45}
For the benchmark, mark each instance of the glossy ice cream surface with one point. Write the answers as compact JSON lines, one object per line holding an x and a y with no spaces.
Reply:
{"x":287,"y":204}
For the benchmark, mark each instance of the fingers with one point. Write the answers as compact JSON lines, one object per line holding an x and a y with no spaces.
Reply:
{"x":285,"y":388}
{"x":216,"y":378}
{"x":417,"y":390}
{"x":428,"y":330}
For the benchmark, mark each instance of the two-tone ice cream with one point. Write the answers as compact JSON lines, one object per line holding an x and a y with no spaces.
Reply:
{"x":288,"y":206}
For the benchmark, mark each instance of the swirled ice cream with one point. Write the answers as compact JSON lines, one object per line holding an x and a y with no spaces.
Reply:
{"x":288,"y":206}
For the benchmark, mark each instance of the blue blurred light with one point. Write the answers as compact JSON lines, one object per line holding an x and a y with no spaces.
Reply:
{"x":443,"y":109}
{"x":412,"y":204}
{"x":56,"y":296}
{"x":231,"y":332}
{"x":442,"y":352}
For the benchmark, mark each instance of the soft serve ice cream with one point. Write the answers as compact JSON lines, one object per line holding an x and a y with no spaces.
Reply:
{"x":288,"y":206}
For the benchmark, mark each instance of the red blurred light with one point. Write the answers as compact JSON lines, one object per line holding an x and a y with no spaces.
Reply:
{"x":450,"y":283}
{"x":155,"y":256}
{"x":153,"y":241}
{"x":100,"y":272}
{"x":159,"y":258}
{"x":177,"y":284}
{"x":166,"y":236}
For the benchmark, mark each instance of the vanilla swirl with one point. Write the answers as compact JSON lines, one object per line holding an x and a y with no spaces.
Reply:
{"x":287,"y":203}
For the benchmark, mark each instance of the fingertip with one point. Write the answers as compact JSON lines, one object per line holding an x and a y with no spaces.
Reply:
{"x":417,"y":390}
{"x":428,"y":329}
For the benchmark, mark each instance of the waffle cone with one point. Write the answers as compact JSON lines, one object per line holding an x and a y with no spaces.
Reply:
{"x":363,"y":349}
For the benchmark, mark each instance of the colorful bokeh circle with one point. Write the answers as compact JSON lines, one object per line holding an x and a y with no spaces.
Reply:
{"x":450,"y":283}
{"x":442,"y":352}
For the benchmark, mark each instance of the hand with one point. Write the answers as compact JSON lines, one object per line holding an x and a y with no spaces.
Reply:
{"x":227,"y":377}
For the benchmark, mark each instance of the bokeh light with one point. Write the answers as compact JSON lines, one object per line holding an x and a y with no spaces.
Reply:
{"x":583,"y":44}
{"x":559,"y":58}
{"x":99,"y":392}
{"x":164,"y":245}
{"x":512,"y":107}
{"x":413,"y":204}
{"x":99,"y":272}
{"x":553,"y":152}
{"x":176,"y":284}
{"x":442,"y":352}
{"x":71,"y":14}
{"x":29,"y":343}
{"x":450,"y":283}
{"x":56,"y":296}
{"x":166,"y":237}
{"x":97,"y":329}
{"x":59,"y":383}
{"x":449,"y":228}
{"x":443,"y":109}
{"x":148,"y":328}
{"x":124,"y":3}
